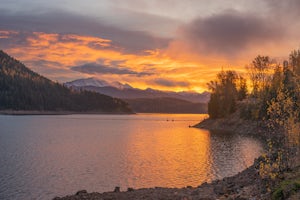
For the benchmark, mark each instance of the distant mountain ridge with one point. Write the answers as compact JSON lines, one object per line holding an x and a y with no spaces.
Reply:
{"x":166,"y":105}
{"x":96,"y":83}
{"x":23,"y":89}
{"x":125,"y":91}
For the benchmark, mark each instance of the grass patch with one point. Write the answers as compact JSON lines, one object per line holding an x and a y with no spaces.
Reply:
{"x":286,"y":189}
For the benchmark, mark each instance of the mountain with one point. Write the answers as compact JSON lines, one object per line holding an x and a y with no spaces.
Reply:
{"x":88,"y":82}
{"x":23,"y":89}
{"x":125,"y":91}
{"x":165,"y":105}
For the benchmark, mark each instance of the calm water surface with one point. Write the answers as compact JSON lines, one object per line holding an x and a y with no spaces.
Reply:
{"x":46,"y":156}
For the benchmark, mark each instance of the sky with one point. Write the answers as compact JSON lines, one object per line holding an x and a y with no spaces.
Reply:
{"x":169,"y":45}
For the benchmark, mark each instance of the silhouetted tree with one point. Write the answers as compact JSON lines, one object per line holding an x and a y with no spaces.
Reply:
{"x":224,"y":94}
{"x":259,"y":74}
{"x":242,"y":88}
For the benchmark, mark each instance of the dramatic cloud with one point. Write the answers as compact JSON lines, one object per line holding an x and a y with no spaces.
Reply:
{"x":229,"y":33}
{"x":130,"y":41}
{"x":285,"y":8}
{"x":95,"y":68}
{"x":147,"y":43}
{"x":171,"y":83}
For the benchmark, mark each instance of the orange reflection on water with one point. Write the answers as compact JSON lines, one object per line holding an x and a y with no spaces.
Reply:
{"x":59,"y":155}
{"x":173,"y":155}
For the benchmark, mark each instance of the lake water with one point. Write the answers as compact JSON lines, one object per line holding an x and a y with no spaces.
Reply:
{"x":46,"y":156}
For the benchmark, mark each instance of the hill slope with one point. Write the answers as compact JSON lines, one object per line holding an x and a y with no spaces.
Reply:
{"x":23,"y":89}
{"x":165,"y":105}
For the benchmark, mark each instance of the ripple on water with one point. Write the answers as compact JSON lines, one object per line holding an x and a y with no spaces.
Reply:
{"x":47,"y":156}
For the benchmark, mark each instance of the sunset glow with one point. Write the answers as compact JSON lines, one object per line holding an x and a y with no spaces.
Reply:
{"x":156,"y":49}
{"x":149,"y":99}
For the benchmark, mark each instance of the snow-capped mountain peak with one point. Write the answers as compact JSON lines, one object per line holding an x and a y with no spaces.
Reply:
{"x":125,"y":91}
{"x":97,"y":83}
{"x":88,"y":82}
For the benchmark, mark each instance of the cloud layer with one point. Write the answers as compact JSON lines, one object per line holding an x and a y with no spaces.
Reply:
{"x":171,"y":83}
{"x":229,"y":33}
{"x":96,"y":68}
{"x":147,"y":43}
{"x":130,"y":41}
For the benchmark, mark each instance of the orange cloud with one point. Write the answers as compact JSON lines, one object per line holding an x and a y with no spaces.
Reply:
{"x":176,"y":68}
{"x":53,"y":55}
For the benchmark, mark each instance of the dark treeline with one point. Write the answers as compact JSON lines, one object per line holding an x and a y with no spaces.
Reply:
{"x":268,"y":82}
{"x":23,"y":89}
{"x":226,"y":90}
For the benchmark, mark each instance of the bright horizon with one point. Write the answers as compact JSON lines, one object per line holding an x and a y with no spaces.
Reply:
{"x":166,"y":45}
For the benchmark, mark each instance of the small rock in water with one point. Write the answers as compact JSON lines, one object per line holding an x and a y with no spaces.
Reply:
{"x":81,"y":192}
{"x":117,"y":189}
{"x":130,"y":190}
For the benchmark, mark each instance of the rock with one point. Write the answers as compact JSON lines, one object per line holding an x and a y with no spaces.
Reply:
{"x":230,"y":184}
{"x":245,"y":185}
{"x":240,"y":198}
{"x":195,"y":192}
{"x":81,"y":192}
{"x":219,"y":190}
{"x":203,"y":184}
{"x":117,"y":189}
{"x":189,"y":187}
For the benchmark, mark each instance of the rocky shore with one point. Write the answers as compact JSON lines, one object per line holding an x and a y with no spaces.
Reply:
{"x":234,"y":123}
{"x":245,"y":185}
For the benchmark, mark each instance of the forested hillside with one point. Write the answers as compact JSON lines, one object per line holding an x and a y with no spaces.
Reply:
{"x":165,"y":105}
{"x":23,"y":89}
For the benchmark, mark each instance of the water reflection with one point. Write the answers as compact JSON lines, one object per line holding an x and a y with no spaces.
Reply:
{"x":173,"y":156}
{"x":231,"y":153}
{"x":47,"y":156}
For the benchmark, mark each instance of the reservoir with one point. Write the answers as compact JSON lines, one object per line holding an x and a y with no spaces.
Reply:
{"x":46,"y":156}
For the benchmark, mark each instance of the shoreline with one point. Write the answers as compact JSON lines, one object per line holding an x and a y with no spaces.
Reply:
{"x":249,"y":128}
{"x":247,"y":184}
{"x":244,"y":185}
{"x":241,"y":127}
{"x":38,"y":112}
{"x":234,"y":123}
